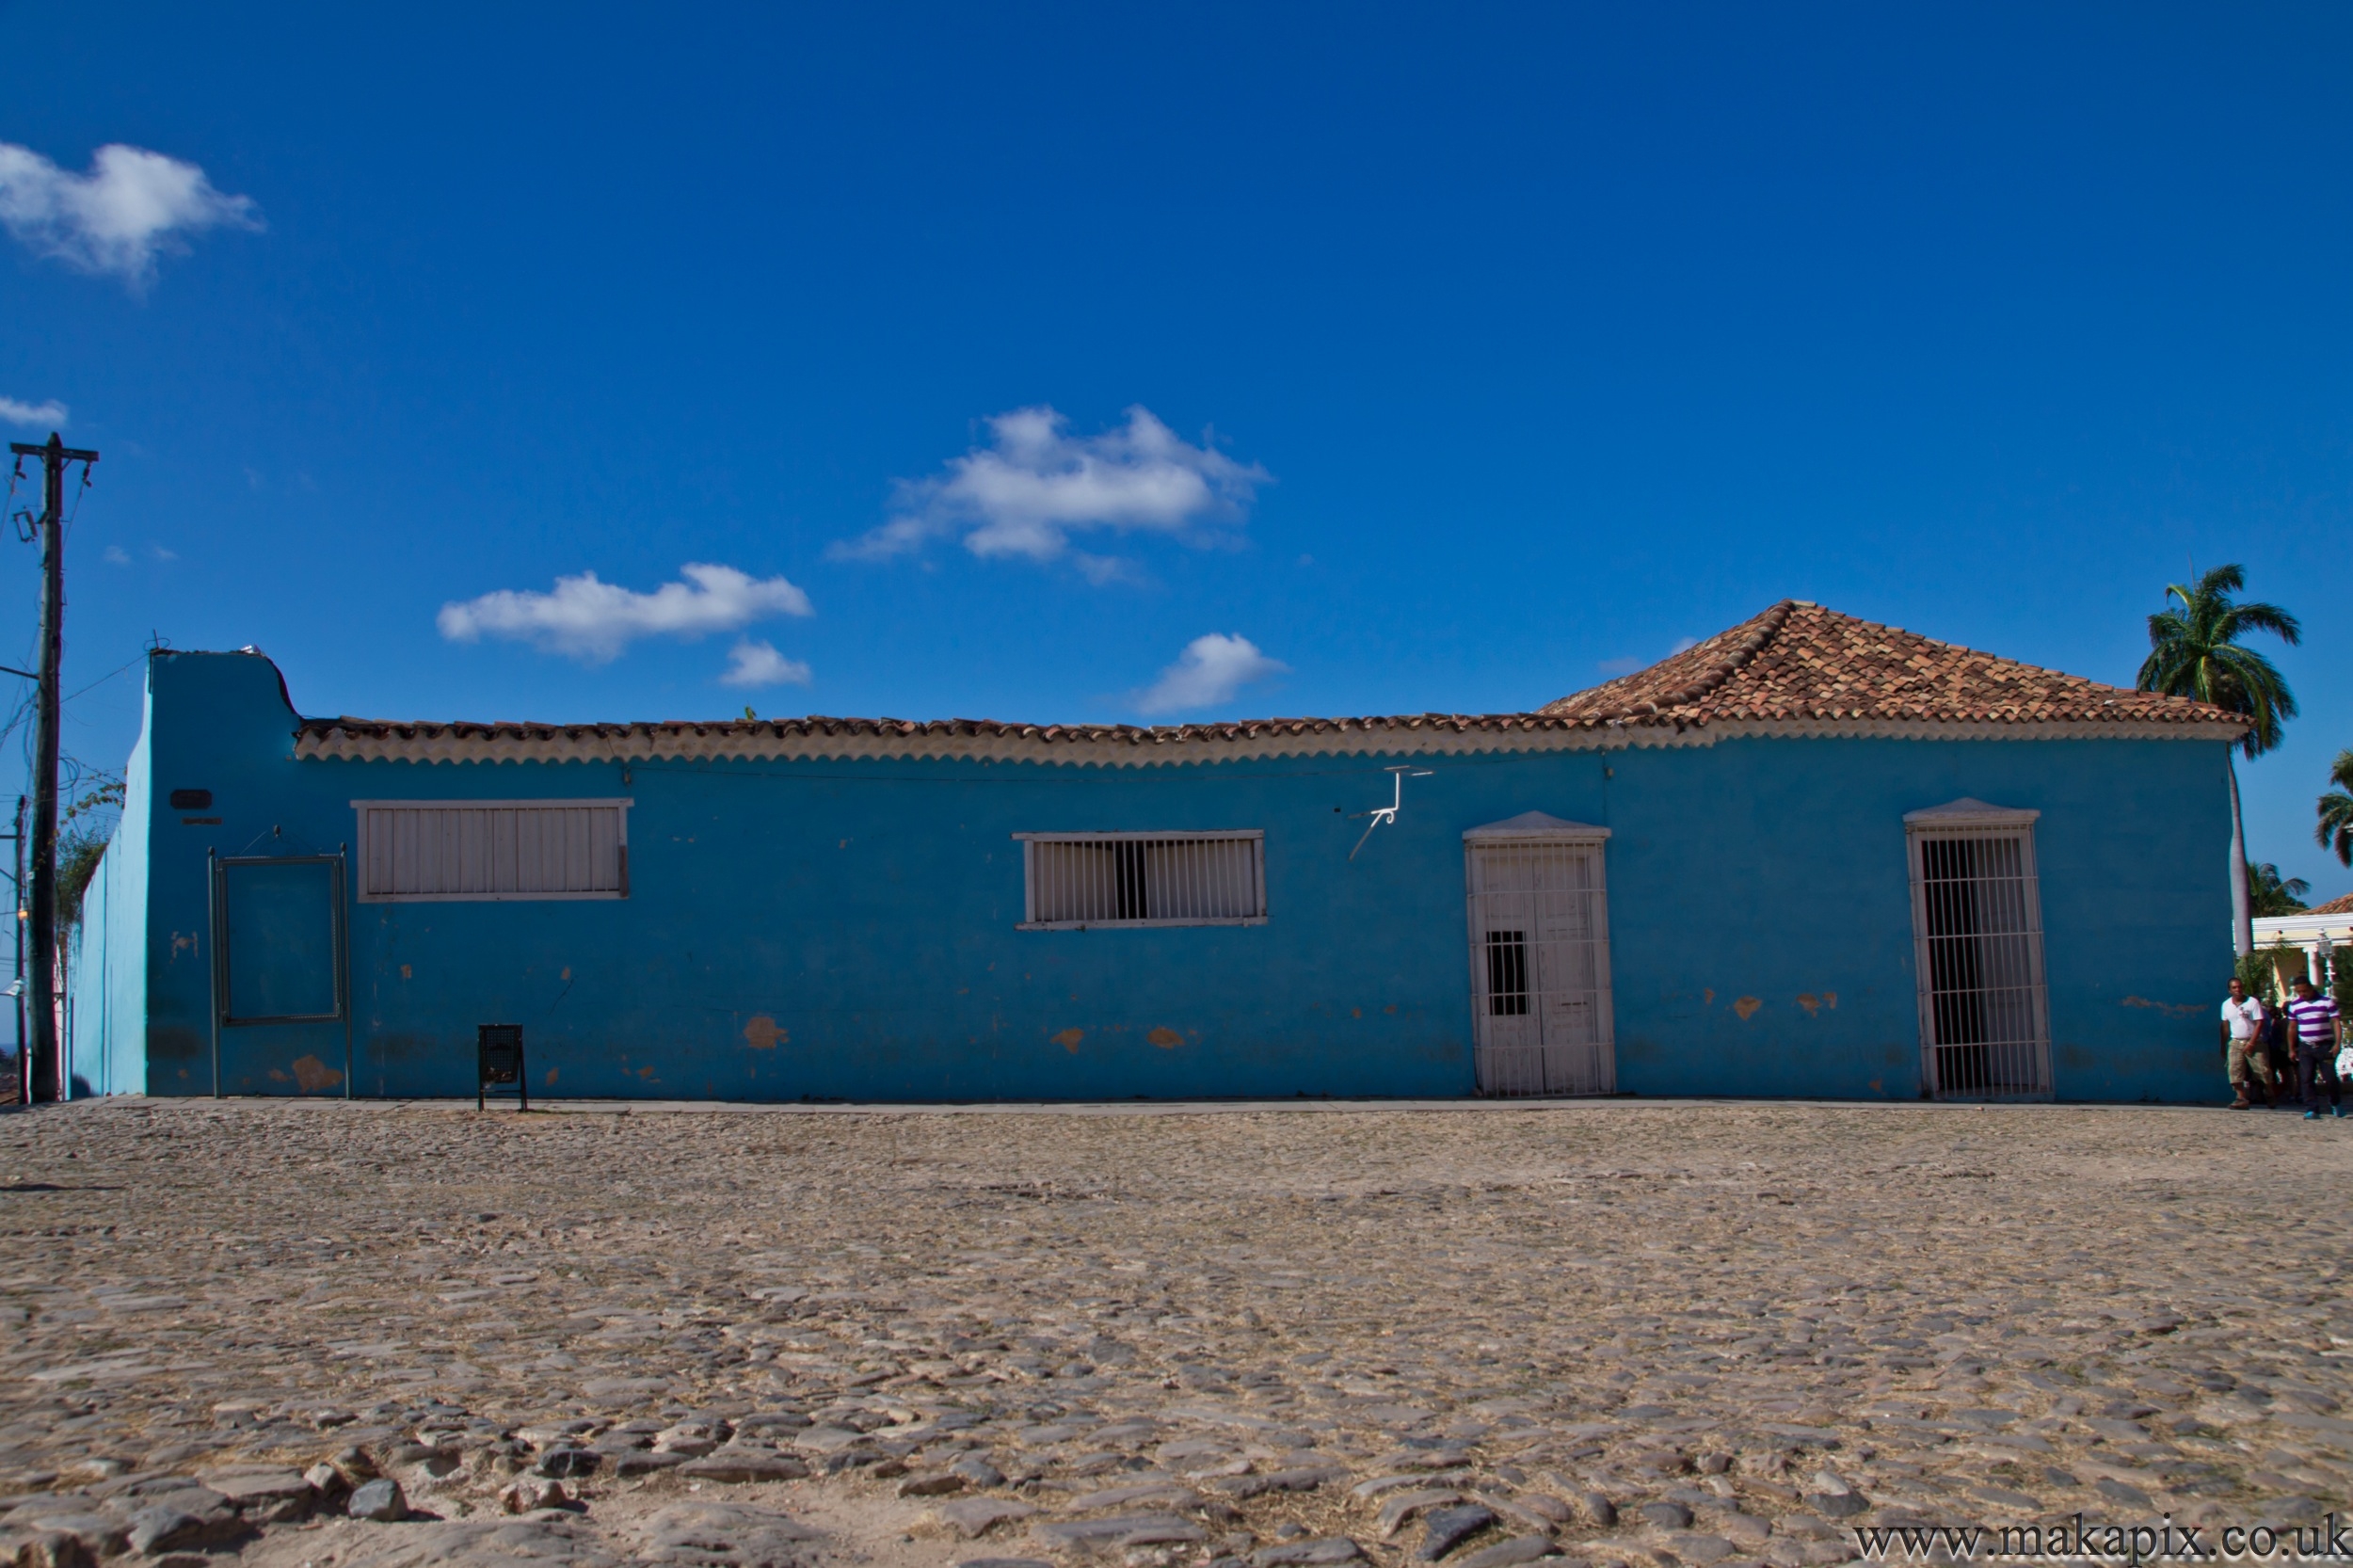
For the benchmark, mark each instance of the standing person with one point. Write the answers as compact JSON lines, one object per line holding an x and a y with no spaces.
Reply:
{"x":2278,"y":1053}
{"x":2243,"y":1044}
{"x":2316,"y":1026}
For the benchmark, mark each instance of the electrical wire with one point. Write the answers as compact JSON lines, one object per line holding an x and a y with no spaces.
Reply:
{"x":108,"y":676}
{"x":65,"y":529}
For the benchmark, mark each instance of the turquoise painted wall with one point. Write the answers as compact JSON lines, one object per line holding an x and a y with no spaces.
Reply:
{"x":847,"y":929}
{"x":106,"y":1046}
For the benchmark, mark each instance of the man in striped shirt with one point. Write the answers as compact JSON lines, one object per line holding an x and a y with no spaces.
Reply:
{"x":2314,"y":1019}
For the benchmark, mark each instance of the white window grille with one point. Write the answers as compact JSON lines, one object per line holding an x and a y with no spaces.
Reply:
{"x":1977,"y":917}
{"x":448,"y":851}
{"x":1079,"y":880}
{"x":1541,"y":1018}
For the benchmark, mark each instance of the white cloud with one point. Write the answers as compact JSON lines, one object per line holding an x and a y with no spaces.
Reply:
{"x":1103,"y":571}
{"x":1628,"y":666}
{"x":160,"y":553}
{"x":593,"y":620}
{"x":116,"y":556}
{"x":132,"y":205}
{"x":51,"y":413}
{"x":1034,"y":484}
{"x":751,"y":663}
{"x":1211,"y":670}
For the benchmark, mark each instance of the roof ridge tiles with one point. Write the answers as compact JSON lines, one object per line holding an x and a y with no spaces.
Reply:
{"x":1797,"y":661}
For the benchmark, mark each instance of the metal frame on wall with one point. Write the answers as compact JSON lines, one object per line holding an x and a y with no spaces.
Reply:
{"x":1977,"y":958}
{"x":215,"y":896}
{"x":1543,"y":1015}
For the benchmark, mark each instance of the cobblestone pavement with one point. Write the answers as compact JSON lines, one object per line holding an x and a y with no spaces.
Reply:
{"x":1629,"y":1334}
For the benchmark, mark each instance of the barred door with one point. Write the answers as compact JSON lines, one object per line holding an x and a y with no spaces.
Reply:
{"x":1978,"y":935}
{"x":1540,"y":968}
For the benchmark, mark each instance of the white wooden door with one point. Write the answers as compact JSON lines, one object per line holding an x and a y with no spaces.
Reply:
{"x":1540,"y":968}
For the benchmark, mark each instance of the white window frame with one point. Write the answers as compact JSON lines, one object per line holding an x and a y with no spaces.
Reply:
{"x":1255,"y":837}
{"x":365,"y":844}
{"x":1976,"y":819}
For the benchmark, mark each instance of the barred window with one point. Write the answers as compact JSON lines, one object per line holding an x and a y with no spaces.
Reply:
{"x":1507,"y":973}
{"x":453,"y":851}
{"x":1078,"y":880}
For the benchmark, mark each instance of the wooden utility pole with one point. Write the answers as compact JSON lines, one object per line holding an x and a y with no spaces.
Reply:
{"x":47,"y":1075}
{"x":16,"y":900}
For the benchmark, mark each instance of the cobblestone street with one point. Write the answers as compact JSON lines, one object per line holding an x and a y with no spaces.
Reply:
{"x":1628,"y":1333}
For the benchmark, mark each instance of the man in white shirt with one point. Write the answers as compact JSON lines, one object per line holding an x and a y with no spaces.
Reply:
{"x":2242,"y":1031}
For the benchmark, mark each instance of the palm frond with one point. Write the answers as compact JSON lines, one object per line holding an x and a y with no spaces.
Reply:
{"x":2335,"y":830}
{"x":2195,"y":651}
{"x":2271,"y":894}
{"x":2240,"y":619}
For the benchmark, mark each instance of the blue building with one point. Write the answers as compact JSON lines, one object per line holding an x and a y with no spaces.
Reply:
{"x":1809,"y":857}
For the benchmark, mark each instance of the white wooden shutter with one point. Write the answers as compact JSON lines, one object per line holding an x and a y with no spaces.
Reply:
{"x":462,"y":850}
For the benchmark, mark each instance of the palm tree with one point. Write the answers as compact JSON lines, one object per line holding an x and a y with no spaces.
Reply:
{"x":2336,"y":809}
{"x":2272,"y":894}
{"x":2194,"y":653}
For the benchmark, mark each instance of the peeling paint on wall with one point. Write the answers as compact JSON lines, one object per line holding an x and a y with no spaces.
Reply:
{"x":550,"y":1078}
{"x":315,"y":1076}
{"x":2170,"y":1009}
{"x":762,"y":1033}
{"x":1068,"y":1039}
{"x":1747,"y":1007}
{"x":1167,"y":1039}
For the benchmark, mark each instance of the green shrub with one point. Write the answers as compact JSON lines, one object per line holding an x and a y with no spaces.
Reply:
{"x":79,"y":851}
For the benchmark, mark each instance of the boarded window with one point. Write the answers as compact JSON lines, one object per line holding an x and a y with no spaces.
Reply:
{"x":277,"y":937}
{"x":1978,"y":926}
{"x":453,"y":850}
{"x":1077,"y":880}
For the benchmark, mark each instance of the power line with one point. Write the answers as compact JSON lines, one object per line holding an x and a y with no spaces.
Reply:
{"x":99,"y":682}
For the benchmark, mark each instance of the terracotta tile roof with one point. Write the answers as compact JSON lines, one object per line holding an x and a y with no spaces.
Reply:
{"x":2334,"y":906}
{"x":1800,"y":662}
{"x":1796,"y":667}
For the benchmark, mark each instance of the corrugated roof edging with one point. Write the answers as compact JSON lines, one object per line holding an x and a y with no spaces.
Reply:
{"x":1111,"y":747}
{"x":819,"y":736}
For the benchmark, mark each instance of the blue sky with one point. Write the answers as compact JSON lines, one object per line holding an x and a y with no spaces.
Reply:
{"x":1483,"y":351}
